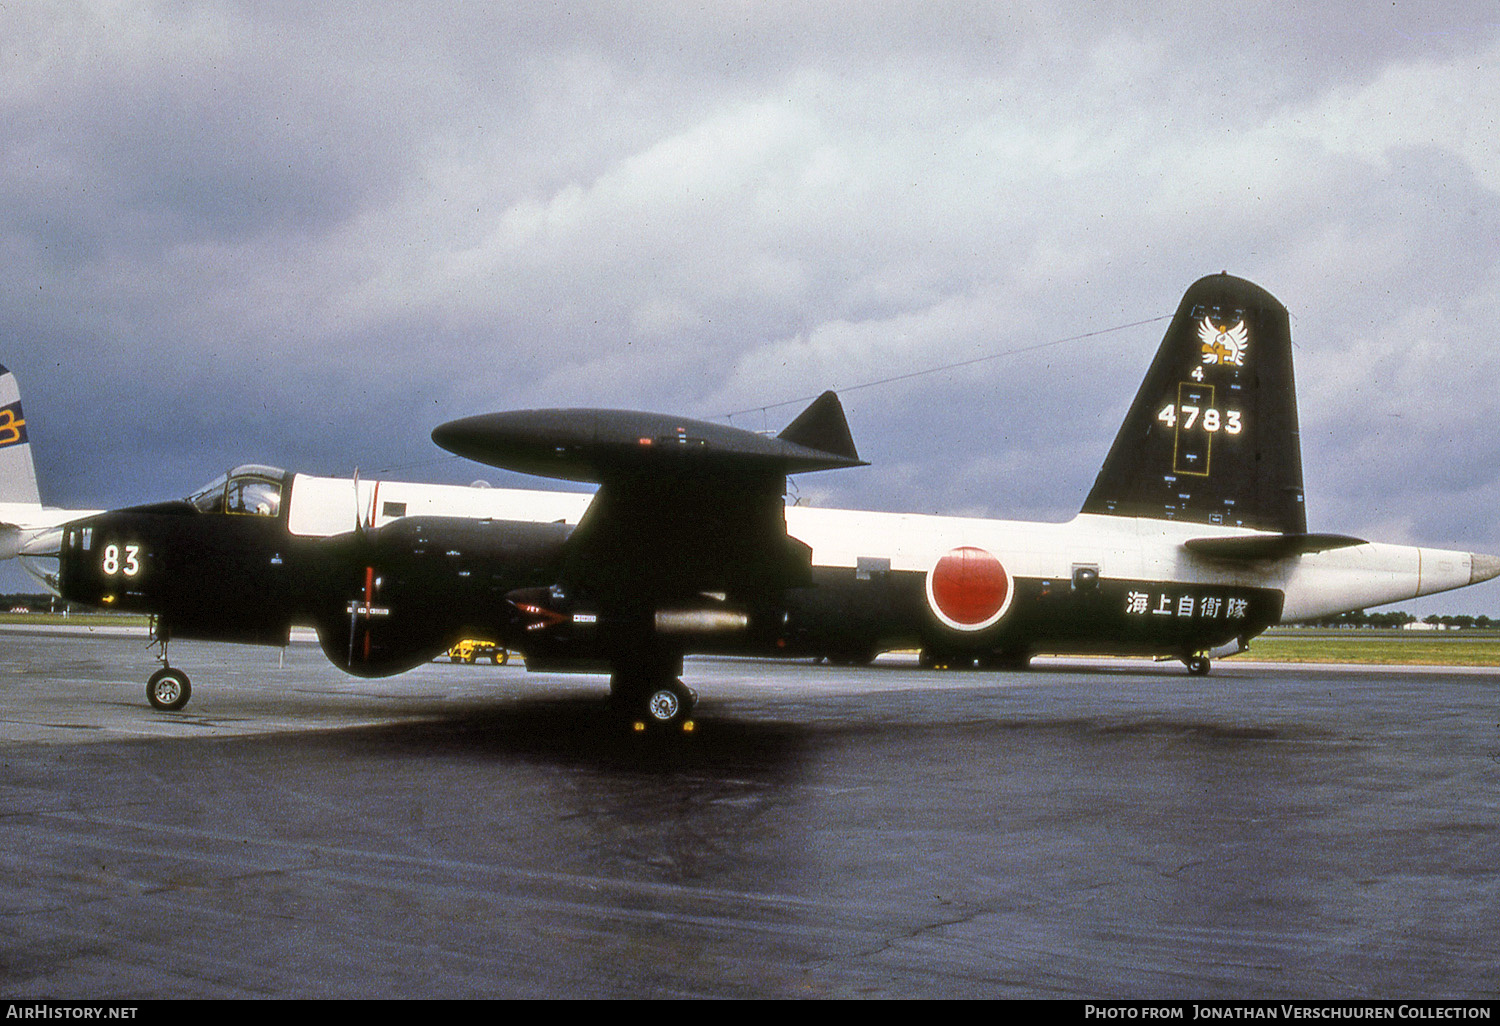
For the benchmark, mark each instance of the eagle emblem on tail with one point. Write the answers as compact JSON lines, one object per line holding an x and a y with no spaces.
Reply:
{"x":1224,"y":345}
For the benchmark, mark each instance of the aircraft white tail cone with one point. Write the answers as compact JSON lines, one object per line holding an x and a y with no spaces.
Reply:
{"x":1482,"y":567}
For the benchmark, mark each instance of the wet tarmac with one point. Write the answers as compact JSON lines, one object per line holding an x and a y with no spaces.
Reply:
{"x":1108,"y":830}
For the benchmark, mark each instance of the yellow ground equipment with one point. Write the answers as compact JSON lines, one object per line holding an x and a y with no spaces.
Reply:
{"x":472,"y":649}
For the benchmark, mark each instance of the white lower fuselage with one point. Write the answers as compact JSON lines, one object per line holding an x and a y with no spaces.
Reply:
{"x":1123,"y":548}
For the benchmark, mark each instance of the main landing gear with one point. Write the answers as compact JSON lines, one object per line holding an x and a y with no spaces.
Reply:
{"x":652,"y":702}
{"x":1197,"y":665}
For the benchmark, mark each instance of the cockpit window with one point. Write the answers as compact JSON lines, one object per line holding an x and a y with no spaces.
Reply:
{"x":210,"y":498}
{"x":254,"y":495}
{"x":251,"y":490}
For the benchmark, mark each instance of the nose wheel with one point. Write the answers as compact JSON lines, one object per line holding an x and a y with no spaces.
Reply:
{"x":169,"y":689}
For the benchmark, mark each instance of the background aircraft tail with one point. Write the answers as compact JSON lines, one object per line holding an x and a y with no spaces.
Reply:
{"x":17,"y":473}
{"x":1212,"y":435}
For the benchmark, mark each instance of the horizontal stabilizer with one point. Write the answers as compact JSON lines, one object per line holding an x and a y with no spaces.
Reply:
{"x":1269,"y":546}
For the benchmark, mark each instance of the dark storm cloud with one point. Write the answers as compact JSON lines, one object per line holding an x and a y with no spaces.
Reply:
{"x":305,"y":233}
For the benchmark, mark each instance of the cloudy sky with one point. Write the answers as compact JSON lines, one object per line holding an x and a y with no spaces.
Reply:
{"x":305,"y":233}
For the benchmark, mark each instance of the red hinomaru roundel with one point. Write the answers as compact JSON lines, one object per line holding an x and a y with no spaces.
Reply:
{"x":969,"y":589}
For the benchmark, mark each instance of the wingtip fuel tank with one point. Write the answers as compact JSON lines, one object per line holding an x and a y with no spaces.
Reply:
{"x":596,"y":444}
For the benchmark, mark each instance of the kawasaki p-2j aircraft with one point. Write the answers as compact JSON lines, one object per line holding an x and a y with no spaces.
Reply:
{"x":1193,"y":540}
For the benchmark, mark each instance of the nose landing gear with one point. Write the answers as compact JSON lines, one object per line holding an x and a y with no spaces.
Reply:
{"x":169,"y":689}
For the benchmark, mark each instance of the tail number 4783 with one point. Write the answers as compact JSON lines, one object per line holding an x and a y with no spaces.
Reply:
{"x":1209,"y":419}
{"x":113,"y":564}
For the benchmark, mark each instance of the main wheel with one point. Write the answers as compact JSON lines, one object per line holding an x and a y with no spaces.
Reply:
{"x":653,"y":706}
{"x":664,"y":705}
{"x":671,"y":704}
{"x":169,"y":689}
{"x":1198,"y":666}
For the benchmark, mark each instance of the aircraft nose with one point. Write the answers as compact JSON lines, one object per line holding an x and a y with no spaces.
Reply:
{"x":1482,"y":567}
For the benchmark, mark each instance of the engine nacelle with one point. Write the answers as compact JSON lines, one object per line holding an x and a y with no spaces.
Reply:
{"x":402,"y":594}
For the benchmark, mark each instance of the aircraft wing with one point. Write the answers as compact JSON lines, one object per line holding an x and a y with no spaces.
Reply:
{"x":684,"y":507}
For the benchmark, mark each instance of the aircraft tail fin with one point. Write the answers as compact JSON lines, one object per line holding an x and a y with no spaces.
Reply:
{"x":17,"y":473}
{"x":1211,"y":437}
{"x":822,"y":426}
